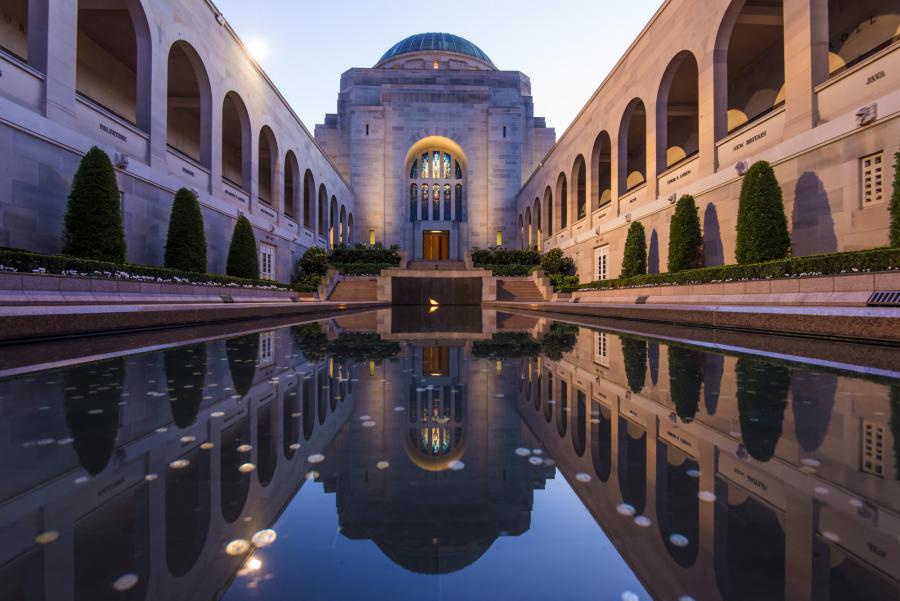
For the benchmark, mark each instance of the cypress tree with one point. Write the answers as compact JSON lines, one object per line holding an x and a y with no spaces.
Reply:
{"x":242,"y":259}
{"x":92,"y":411}
{"x":685,"y":238}
{"x":762,"y":231}
{"x":242,"y":354}
{"x":635,"y":259}
{"x":186,"y":240}
{"x":185,"y":375}
{"x":93,"y":223}
{"x":895,"y":205}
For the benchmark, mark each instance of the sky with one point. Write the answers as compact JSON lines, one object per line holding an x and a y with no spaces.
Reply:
{"x":566,"y":47}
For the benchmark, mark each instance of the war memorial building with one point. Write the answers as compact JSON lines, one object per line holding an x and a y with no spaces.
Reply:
{"x":437,"y":149}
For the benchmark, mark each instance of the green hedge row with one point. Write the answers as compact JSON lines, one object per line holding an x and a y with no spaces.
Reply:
{"x":362,"y":268}
{"x":879,"y":259}
{"x":362,"y":253}
{"x":28,"y":262}
{"x":507,"y":270}
{"x":503,"y":256}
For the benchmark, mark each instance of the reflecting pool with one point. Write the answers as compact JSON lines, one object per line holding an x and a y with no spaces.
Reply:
{"x":455,"y":454}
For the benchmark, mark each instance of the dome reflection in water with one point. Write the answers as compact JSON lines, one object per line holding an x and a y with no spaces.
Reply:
{"x":471,"y":463}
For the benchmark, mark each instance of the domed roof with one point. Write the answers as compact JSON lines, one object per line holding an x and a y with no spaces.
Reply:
{"x":436,"y":42}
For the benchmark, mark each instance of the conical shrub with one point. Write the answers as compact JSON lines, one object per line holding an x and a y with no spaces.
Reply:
{"x":634,"y":353}
{"x":93,"y":223}
{"x":635,"y":260}
{"x":762,"y":231}
{"x":242,"y":259}
{"x":762,"y":393}
{"x":895,"y":206}
{"x":685,"y":237}
{"x":186,"y":240}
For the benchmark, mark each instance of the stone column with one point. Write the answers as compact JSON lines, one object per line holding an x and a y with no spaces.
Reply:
{"x":55,"y":54}
{"x":650,"y":150}
{"x":707,"y":106}
{"x":805,"y":61}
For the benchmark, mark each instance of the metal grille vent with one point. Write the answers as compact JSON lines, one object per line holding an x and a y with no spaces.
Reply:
{"x":884,"y":298}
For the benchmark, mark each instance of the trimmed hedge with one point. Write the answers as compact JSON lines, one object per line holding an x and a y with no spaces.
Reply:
{"x":28,"y":262}
{"x":508,"y":270}
{"x":554,"y":262}
{"x":307,"y":283}
{"x":879,"y":259}
{"x":895,"y":208}
{"x":243,"y":262}
{"x":363,"y":268}
{"x":635,"y":260}
{"x":561,"y":281}
{"x":685,"y":239}
{"x":497,"y":255}
{"x":762,"y":230}
{"x":93,"y":223}
{"x":314,"y":261}
{"x":362,"y":253}
{"x":186,"y":240}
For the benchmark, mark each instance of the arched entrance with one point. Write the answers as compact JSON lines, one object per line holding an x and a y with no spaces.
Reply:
{"x":436,"y":170}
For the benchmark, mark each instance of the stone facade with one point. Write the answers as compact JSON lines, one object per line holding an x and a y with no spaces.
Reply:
{"x":827,"y":124}
{"x":185,"y":106}
{"x":428,"y":100}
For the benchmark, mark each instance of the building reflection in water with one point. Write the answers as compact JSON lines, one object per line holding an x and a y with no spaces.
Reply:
{"x":720,"y":475}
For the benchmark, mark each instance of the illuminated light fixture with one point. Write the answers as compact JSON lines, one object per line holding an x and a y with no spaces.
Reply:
{"x":435,"y":305}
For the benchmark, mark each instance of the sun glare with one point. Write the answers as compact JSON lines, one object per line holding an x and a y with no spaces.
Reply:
{"x":258,"y":48}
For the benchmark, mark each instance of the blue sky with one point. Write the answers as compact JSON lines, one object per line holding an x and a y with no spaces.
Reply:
{"x":566,"y":47}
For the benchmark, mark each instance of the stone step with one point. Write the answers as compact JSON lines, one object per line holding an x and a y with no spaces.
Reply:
{"x":355,"y":290}
{"x":525,"y":291}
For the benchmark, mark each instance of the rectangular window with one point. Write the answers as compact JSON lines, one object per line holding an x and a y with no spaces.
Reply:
{"x":266,"y":261}
{"x":499,"y":237}
{"x":601,"y":349}
{"x":601,"y":260}
{"x":371,"y":237}
{"x":266,"y":349}
{"x":872,"y":175}
{"x":873,"y":448}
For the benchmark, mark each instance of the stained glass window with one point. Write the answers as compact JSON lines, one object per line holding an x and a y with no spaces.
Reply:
{"x":425,"y":164}
{"x":458,"y":171}
{"x":436,"y":202}
{"x":459,"y":203}
{"x":446,"y":166}
{"x":414,"y":171}
{"x":424,"y":216}
{"x":413,"y":193}
{"x":436,"y":165}
{"x":447,"y":202}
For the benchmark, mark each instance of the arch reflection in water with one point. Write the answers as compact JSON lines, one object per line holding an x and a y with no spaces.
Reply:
{"x":235,"y":482}
{"x":187,"y":511}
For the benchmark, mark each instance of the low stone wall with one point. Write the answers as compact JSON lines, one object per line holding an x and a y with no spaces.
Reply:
{"x":17,"y":289}
{"x":848,"y":290}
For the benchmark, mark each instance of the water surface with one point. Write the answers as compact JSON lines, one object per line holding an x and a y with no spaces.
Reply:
{"x":465,"y":455}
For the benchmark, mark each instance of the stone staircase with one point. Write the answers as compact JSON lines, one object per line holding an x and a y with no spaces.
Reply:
{"x":437,"y":265}
{"x":520,"y":290}
{"x":355,"y":289}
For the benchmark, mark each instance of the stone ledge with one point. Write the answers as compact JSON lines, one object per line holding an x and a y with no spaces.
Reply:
{"x":880,"y":325}
{"x":35,"y":322}
{"x":49,"y":289}
{"x":846,"y":290}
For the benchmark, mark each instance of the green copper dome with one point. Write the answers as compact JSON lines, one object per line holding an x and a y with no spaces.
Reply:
{"x":436,"y":42}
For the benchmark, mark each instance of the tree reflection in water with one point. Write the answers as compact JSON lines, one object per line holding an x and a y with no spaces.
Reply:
{"x":92,"y":396}
{"x":185,"y":374}
{"x":762,"y":392}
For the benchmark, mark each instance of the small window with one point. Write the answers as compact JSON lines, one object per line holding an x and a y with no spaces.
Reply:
{"x":601,"y":260}
{"x":371,"y":237}
{"x":499,"y":237}
{"x":267,"y":261}
{"x":437,"y":65}
{"x":872,"y":171}
{"x":367,"y":129}
{"x":601,"y":349}
{"x":504,"y":131}
{"x":873,"y":448}
{"x":266,"y":349}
